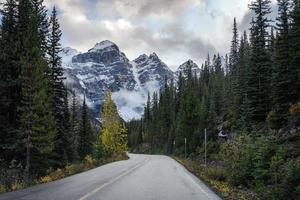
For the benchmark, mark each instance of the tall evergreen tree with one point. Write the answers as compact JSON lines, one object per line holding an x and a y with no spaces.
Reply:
{"x":74,"y":125}
{"x":9,"y":81}
{"x":36,"y":122}
{"x":233,"y":58}
{"x":43,"y":24}
{"x":218,"y":85}
{"x":233,"y":87}
{"x":243,"y":101}
{"x":295,"y":53}
{"x":259,"y":76}
{"x":85,"y":139}
{"x":57,"y":93}
{"x":282,"y":73}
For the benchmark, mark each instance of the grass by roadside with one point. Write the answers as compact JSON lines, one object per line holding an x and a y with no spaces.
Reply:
{"x":72,"y":169}
{"x":215,"y":178}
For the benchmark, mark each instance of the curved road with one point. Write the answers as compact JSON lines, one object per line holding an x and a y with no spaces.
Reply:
{"x":142,"y":177}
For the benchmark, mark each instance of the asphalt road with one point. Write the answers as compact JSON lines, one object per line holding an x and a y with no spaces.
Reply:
{"x":142,"y":177}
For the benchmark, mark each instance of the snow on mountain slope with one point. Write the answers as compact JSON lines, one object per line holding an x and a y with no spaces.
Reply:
{"x":152,"y":69}
{"x":67,"y":54}
{"x":105,"y":67}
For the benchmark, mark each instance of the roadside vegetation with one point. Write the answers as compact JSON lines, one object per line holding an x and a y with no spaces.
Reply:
{"x":247,"y":101}
{"x":112,"y":149}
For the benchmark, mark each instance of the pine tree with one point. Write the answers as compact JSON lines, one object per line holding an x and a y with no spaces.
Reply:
{"x":281,"y":79}
{"x":24,"y":11}
{"x":259,"y":76}
{"x":57,"y":93}
{"x":243,"y":117}
{"x":113,"y":134}
{"x":74,"y":126}
{"x":9,"y":81}
{"x":43,"y":24}
{"x":233,"y":58}
{"x":154,"y":125}
{"x":218,"y":85}
{"x":86,"y":138}
{"x":295,"y":53}
{"x":36,"y":122}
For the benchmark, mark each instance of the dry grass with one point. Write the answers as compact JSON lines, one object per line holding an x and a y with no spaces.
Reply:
{"x":88,"y":163}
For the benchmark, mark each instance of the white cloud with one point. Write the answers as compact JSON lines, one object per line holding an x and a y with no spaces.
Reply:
{"x":176,"y":30}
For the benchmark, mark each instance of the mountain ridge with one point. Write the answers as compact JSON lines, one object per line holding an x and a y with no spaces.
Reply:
{"x":105,"y":67}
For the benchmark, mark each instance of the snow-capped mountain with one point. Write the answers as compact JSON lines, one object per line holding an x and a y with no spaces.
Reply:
{"x":183,"y":69}
{"x":105,"y":67}
{"x":151,"y":68}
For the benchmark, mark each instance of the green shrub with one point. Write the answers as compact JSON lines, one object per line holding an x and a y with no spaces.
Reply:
{"x":236,"y":155}
{"x":252,"y":162}
{"x":212,"y":148}
{"x":291,"y":181}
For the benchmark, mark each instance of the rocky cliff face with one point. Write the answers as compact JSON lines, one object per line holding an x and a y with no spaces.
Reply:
{"x":105,"y":67}
{"x":151,"y":69}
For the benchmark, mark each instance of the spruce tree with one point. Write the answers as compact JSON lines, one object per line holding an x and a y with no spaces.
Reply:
{"x":85,"y":139}
{"x":10,"y":90}
{"x":74,"y":126}
{"x":282,"y":73}
{"x":58,"y":94}
{"x":36,"y":121}
{"x":233,"y":66}
{"x":295,"y":53}
{"x":218,"y":85}
{"x":43,"y":23}
{"x":233,"y":58}
{"x":24,"y":11}
{"x":259,"y":77}
{"x":243,"y":101}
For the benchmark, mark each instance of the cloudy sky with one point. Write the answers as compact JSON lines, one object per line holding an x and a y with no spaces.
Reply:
{"x":177,"y":30}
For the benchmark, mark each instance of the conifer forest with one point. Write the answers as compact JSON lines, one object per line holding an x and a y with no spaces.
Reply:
{"x":239,"y":116}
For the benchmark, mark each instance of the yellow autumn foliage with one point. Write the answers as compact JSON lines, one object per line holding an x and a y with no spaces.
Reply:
{"x":113,"y":136}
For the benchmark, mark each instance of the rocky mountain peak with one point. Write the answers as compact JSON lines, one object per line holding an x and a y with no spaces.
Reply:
{"x":154,"y":56}
{"x":141,"y":59}
{"x":104,"y":45}
{"x":185,"y":66}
